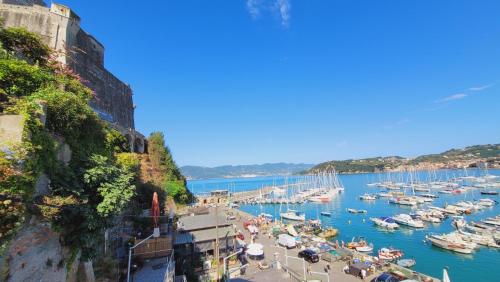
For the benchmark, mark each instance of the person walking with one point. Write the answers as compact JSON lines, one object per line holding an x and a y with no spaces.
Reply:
{"x":309,"y":269}
{"x":363,"y":274}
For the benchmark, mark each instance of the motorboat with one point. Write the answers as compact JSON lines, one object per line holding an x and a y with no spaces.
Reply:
{"x":267,"y":216}
{"x":429,"y":195}
{"x":325,"y":213}
{"x":384,"y":195}
{"x":356,"y":211}
{"x":428,"y":217}
{"x":406,"y":262}
{"x":405,"y":219}
{"x":367,"y":197}
{"x":487,"y":202}
{"x":445,"y":211}
{"x":491,"y":192}
{"x":446,"y":191}
{"x":365,"y":249}
{"x":385,"y":222}
{"x":452,"y":246}
{"x":458,"y":222}
{"x":389,"y":254}
{"x":422,"y":200}
{"x":293,"y":215}
{"x":456,"y":238}
{"x":491,"y":221}
{"x":361,"y":245}
{"x":421,"y":189}
{"x":404,"y":201}
{"x":323,"y":198}
{"x":485,"y":240}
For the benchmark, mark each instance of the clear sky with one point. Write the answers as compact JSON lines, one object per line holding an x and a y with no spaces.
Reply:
{"x":254,"y":81}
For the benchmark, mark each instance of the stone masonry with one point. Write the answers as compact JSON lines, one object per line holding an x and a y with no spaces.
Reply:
{"x":60,"y":29}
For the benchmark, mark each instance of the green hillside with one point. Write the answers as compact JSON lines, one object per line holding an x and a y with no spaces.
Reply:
{"x":471,"y":153}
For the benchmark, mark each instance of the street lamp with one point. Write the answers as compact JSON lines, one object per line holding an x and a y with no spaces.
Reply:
{"x":225,"y":262}
{"x":156,"y":234}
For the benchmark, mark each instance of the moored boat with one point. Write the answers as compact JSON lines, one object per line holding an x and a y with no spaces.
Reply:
{"x":458,"y":222}
{"x":293,"y":215}
{"x":406,"y":262}
{"x":326,"y":213}
{"x":328,"y":233}
{"x":385,"y":222}
{"x":356,"y":211}
{"x":389,"y":254}
{"x":405,"y":219}
{"x":367,"y":197}
{"x":451,"y":246}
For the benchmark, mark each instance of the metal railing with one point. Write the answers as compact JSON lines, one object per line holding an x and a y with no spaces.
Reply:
{"x":170,"y":272}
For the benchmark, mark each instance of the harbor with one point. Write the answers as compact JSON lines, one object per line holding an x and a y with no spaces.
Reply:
{"x":351,"y":216}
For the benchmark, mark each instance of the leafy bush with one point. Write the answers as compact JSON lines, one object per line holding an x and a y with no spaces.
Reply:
{"x":25,"y":44}
{"x":113,"y":185}
{"x":84,"y":194}
{"x":129,"y":162}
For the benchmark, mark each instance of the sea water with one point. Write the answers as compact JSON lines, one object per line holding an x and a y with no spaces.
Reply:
{"x":479,"y":266}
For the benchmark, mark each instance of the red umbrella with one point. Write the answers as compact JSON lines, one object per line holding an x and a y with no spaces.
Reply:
{"x":155,"y":210}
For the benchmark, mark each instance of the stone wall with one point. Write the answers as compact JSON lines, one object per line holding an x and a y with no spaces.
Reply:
{"x":60,"y":29}
{"x":11,"y":131}
{"x":37,"y":255}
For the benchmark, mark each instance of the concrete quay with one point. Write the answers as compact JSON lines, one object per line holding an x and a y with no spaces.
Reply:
{"x":295,"y":269}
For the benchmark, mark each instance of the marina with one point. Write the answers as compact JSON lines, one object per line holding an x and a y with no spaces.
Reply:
{"x":436,"y":217}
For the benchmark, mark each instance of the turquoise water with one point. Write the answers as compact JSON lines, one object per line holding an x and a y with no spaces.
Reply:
{"x":480,"y":266}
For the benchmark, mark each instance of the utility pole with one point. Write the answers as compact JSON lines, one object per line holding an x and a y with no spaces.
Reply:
{"x":217,"y":239}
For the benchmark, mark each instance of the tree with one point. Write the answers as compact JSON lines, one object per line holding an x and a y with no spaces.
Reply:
{"x":112,"y":183}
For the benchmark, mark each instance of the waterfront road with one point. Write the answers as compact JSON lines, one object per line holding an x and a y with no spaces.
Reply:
{"x":295,"y":265}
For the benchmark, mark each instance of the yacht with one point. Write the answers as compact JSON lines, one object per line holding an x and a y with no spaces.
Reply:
{"x":449,"y":245}
{"x":404,"y":201}
{"x":367,"y":197}
{"x":384,"y":195}
{"x":487,"y":202}
{"x":458,"y":222}
{"x":385,"y":222}
{"x":405,"y":219}
{"x":429,"y":195}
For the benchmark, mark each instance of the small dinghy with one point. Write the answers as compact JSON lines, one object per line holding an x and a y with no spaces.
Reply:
{"x":367,"y":197}
{"x":356,"y":211}
{"x":406,"y":262}
{"x":489,"y":192}
{"x":325,"y":213}
{"x":365,"y":249}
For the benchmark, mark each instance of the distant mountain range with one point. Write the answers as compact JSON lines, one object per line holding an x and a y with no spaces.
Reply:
{"x":230,"y":171}
{"x":471,"y":156}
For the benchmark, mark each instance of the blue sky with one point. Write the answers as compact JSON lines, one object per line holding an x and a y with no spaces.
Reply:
{"x":254,"y":81}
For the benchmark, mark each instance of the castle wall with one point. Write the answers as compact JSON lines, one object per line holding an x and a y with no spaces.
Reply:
{"x":60,"y":29}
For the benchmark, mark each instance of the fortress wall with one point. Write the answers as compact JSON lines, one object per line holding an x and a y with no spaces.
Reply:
{"x":59,"y":28}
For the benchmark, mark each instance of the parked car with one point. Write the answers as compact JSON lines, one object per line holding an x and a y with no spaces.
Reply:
{"x":385,"y":277}
{"x":309,"y":255}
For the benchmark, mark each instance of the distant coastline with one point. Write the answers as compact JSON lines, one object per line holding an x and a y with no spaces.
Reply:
{"x":478,"y":156}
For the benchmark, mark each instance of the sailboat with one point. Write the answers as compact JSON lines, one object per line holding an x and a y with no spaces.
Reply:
{"x":292,"y":214}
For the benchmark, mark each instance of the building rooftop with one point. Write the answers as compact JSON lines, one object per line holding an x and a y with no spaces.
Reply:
{"x":202,"y":221}
{"x":211,"y":234}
